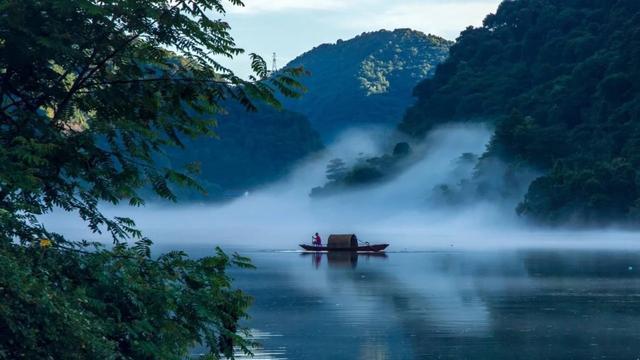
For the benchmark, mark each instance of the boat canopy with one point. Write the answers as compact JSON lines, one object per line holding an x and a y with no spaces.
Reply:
{"x":342,"y":241}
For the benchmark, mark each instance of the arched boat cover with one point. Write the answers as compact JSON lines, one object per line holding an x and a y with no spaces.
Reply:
{"x":342,"y":241}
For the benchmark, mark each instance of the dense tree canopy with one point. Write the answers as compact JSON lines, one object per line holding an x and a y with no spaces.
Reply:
{"x":89,"y":95}
{"x":560,"y":80}
{"x":252,"y":149}
{"x":365,"y":171}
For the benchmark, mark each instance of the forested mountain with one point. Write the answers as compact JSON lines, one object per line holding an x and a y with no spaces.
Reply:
{"x":561,"y":81}
{"x":365,"y":80}
{"x":252,"y":149}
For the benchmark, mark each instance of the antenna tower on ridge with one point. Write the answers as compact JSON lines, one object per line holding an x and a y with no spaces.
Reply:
{"x":274,"y":66}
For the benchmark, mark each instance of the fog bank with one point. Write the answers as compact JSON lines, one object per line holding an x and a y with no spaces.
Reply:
{"x":399,"y":212}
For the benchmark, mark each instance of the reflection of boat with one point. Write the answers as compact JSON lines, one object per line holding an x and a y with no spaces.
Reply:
{"x":347,"y":242}
{"x":341,"y":258}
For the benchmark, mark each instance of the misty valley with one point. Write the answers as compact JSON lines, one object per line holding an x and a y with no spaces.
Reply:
{"x":464,"y":185}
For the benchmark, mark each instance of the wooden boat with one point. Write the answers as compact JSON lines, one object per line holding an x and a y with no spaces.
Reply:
{"x":363,"y":248}
{"x":345,"y":242}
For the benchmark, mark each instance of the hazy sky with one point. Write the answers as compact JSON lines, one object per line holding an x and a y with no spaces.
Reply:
{"x":291,"y":27}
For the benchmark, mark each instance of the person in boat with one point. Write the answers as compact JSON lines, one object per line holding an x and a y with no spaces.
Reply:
{"x":316,"y":240}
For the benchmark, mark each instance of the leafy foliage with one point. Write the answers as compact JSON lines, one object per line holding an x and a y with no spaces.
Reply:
{"x":89,"y":96}
{"x":107,"y":304}
{"x":560,"y":80}
{"x":596,"y":192}
{"x":365,"y":80}
{"x":92,"y":80}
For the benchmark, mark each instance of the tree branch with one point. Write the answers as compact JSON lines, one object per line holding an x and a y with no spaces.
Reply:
{"x":135,"y":81}
{"x":87,"y":74}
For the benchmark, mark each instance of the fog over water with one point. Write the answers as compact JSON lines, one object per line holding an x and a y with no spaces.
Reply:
{"x":399,"y":212}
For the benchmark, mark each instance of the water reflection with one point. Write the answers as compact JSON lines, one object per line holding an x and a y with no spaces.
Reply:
{"x":504,"y":305}
{"x":345,"y":259}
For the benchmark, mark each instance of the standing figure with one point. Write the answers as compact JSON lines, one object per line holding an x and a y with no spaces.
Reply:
{"x":316,"y":240}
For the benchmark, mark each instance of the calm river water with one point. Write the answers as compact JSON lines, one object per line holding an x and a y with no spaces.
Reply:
{"x":445,"y":305}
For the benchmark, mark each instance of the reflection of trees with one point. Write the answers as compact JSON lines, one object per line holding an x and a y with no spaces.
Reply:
{"x":581,"y":264}
{"x":420,"y":333}
{"x":539,"y":305}
{"x":525,"y":305}
{"x":578,"y":306}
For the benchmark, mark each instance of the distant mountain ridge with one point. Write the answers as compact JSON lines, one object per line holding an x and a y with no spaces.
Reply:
{"x":365,"y":80}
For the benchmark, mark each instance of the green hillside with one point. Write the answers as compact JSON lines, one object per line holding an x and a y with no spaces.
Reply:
{"x":365,"y":80}
{"x":252,"y":149}
{"x":561,"y":81}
